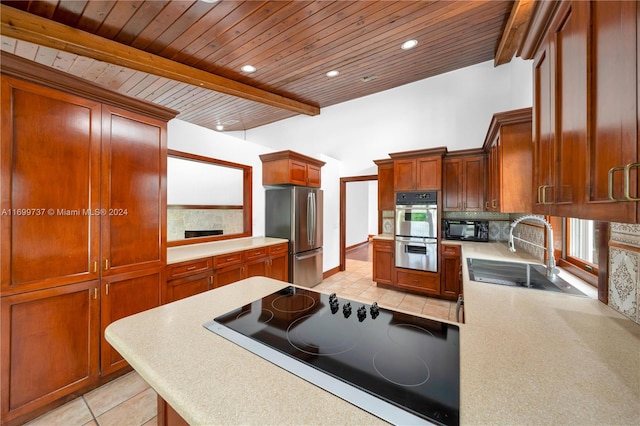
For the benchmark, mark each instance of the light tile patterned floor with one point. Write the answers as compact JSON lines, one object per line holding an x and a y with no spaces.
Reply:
{"x":129,"y":401}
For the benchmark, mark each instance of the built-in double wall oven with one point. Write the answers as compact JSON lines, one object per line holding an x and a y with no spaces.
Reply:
{"x":417,"y":230}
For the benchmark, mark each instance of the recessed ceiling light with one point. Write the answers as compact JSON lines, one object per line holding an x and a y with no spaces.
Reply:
{"x":409,"y":44}
{"x":248,"y":68}
{"x":211,"y":1}
{"x":219,"y":127}
{"x":333,"y":73}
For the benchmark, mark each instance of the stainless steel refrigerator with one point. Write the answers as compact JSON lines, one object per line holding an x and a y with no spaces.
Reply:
{"x":295,"y":213}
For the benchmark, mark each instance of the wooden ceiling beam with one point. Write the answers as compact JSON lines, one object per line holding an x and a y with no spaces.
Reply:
{"x":513,"y":31}
{"x":28,"y":27}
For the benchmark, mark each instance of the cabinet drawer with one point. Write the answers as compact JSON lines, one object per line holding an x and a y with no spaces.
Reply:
{"x":423,"y":282}
{"x":385,"y":245}
{"x":450,"y":250}
{"x":256,"y":253}
{"x":187,"y":268}
{"x":227,"y":259}
{"x":278,"y":249}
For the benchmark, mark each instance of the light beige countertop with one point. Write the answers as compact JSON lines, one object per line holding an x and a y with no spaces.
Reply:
{"x":527,"y":357}
{"x":214,"y":248}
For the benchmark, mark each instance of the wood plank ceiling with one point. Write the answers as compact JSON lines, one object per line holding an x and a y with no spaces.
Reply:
{"x":292,"y":44}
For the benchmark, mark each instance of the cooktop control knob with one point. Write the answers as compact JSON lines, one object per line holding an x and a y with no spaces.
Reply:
{"x":362,"y":313}
{"x":346,"y":309}
{"x":333,"y":298}
{"x":375,"y":311}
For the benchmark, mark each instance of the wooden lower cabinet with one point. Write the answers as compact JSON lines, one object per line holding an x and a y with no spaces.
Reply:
{"x":188,"y":286}
{"x":423,"y":282}
{"x":167,"y":416}
{"x":50,"y":346}
{"x":383,"y":261}
{"x":123,"y":295}
{"x":451,"y":271}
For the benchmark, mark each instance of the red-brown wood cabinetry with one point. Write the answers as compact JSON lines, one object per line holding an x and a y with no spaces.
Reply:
{"x":291,"y":168}
{"x":586,"y":109}
{"x":451,"y":270}
{"x":384,"y":261}
{"x":463,"y":177}
{"x":82,"y":241}
{"x":123,"y":295}
{"x":50,"y":346}
{"x":418,"y":170}
{"x":510,"y":155}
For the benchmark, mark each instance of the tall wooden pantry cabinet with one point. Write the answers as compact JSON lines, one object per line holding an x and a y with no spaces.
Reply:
{"x":82,"y":230}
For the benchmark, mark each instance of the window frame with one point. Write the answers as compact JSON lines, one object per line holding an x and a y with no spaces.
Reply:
{"x":587,"y":271}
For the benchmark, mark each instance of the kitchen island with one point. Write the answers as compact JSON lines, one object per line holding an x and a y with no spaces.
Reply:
{"x":526,"y":357}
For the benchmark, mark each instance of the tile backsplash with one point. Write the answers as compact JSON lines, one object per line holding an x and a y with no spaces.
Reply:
{"x":624,"y":271}
{"x":179,"y":220}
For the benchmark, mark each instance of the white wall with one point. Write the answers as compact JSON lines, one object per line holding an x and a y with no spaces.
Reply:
{"x":186,"y":137}
{"x":357,"y":209}
{"x":373,"y":207}
{"x":452,"y":109}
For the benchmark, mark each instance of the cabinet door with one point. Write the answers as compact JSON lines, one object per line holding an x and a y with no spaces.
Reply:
{"x":188,"y":286}
{"x":257,"y":268}
{"x":313,"y":176}
{"x":473,"y":184}
{"x":451,"y":264}
{"x":429,"y":173}
{"x":571,"y":68}
{"x":134,"y":167}
{"x":383,"y":262}
{"x":614,"y":142}
{"x":492,"y":202}
{"x":297,"y":173}
{"x":228,"y":275}
{"x":452,"y":185}
{"x":543,"y":128}
{"x":404,"y":175}
{"x":386,"y":194}
{"x":124,"y":295}
{"x":50,"y":160}
{"x":50,"y":341}
{"x":278,"y":268}
{"x":423,"y":282}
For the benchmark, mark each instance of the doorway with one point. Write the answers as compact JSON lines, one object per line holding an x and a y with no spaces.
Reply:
{"x":343,"y":212}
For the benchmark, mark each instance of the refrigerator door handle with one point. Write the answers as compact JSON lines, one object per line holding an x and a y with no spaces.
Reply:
{"x":311,"y":218}
{"x":307,"y":256}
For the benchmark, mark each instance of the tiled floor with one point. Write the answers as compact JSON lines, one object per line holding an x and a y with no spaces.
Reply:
{"x":129,"y":401}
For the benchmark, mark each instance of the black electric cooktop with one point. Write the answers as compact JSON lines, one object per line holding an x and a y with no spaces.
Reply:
{"x":402,"y":368}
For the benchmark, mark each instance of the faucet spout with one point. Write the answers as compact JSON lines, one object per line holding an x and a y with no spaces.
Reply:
{"x":551,"y":261}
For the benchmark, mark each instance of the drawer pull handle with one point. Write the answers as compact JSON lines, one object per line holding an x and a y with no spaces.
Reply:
{"x":191,"y":268}
{"x":610,"y":186}
{"x":627,"y":184}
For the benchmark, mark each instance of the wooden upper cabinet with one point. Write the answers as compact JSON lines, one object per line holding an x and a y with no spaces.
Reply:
{"x":291,"y":168}
{"x":560,"y":84}
{"x":463,"y":179}
{"x":418,"y":170}
{"x":614,"y":146}
{"x":586,"y":67}
{"x":51,"y":179}
{"x":386,"y":194}
{"x":508,"y":145}
{"x":133,"y":196}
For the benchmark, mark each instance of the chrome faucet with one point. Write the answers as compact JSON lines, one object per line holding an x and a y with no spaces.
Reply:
{"x":552,"y":271}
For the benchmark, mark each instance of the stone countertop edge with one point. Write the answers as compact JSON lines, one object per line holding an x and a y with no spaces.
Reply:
{"x":214,"y":248}
{"x":527,"y":357}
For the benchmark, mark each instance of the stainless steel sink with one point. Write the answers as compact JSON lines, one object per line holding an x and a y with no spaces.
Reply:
{"x":527,"y":275}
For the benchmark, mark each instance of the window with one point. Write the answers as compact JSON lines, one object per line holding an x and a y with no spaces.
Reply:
{"x":581,"y":244}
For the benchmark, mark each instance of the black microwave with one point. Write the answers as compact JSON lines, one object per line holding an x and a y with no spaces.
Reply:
{"x":467,"y":230}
